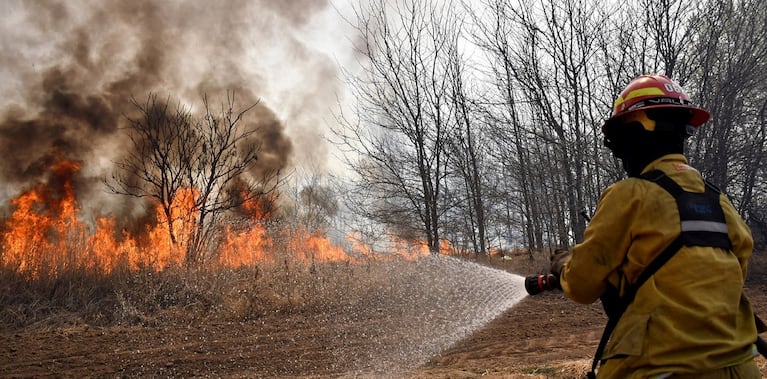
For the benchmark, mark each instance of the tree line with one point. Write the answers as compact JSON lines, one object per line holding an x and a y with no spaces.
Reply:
{"x":480,"y":122}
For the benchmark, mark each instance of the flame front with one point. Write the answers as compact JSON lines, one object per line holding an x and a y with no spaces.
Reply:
{"x":43,"y":230}
{"x":45,"y":236}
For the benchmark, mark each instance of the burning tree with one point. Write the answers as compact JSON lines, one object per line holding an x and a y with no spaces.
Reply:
{"x":196,"y":169}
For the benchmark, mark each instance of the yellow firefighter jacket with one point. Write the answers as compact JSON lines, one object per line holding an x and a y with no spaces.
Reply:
{"x":691,"y":316}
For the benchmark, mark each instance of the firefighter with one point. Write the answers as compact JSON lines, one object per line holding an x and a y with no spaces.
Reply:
{"x":687,"y":317}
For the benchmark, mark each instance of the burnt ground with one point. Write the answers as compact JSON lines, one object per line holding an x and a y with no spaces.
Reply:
{"x":545,"y":336}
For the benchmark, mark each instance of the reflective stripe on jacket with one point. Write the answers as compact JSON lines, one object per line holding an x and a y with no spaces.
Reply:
{"x":691,"y":316}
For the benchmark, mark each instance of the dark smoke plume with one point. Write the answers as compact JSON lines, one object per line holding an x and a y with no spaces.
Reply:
{"x":70,"y":69}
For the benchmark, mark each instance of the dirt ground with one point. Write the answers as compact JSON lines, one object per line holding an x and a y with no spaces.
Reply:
{"x":545,"y":336}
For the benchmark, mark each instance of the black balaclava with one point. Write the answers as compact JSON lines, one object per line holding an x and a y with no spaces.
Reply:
{"x":636,"y":147}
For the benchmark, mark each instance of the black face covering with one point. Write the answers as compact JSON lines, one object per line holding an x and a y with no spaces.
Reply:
{"x":637,"y":147}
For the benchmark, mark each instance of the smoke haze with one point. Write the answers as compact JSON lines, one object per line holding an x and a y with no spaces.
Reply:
{"x":69,"y":69}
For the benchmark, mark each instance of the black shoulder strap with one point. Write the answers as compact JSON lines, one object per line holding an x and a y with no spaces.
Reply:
{"x":761,"y":344}
{"x":701,"y":215}
{"x":707,"y":226}
{"x":660,"y":178}
{"x":628,"y":298}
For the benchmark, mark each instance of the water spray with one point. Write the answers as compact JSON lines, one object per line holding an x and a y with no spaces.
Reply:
{"x":423,"y":307}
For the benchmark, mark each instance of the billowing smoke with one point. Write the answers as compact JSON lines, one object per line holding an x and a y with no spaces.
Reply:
{"x":70,"y":68}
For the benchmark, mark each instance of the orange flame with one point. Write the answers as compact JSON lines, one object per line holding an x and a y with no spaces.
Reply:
{"x":110,"y":252}
{"x":314,"y":247}
{"x":43,"y":235}
{"x":44,"y":225}
{"x":245,"y":248}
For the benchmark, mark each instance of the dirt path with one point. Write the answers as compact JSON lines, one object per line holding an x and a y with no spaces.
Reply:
{"x":541,"y":337}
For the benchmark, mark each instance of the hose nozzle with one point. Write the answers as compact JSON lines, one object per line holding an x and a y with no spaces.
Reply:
{"x":539,"y":283}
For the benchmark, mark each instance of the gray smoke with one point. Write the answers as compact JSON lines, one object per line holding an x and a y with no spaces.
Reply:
{"x":69,"y":69}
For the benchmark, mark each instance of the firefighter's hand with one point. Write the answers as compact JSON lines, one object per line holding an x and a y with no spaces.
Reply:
{"x":559,"y":259}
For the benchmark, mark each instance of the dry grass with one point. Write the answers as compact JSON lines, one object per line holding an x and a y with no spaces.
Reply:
{"x":182,"y":295}
{"x":71,"y":295}
{"x":525,"y":263}
{"x":575,"y":369}
{"x":178,"y":294}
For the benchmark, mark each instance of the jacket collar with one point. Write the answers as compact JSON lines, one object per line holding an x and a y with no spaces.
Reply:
{"x":668,"y":158}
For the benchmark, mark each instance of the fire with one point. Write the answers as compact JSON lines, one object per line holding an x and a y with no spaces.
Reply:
{"x":245,"y":248}
{"x":157,"y":249}
{"x":258,"y":209}
{"x":110,"y":251}
{"x":44,"y":225}
{"x":44,"y":235}
{"x":168,"y":238}
{"x":314,"y":247}
{"x":398,"y":248}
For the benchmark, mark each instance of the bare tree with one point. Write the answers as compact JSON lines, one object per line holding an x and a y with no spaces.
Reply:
{"x":469,"y":147}
{"x":209,"y":158}
{"x":496,"y":34}
{"x":554,"y":69}
{"x":544,"y":59}
{"x":668,"y":20}
{"x":727,"y":63}
{"x":220,"y":170}
{"x":315,"y":199}
{"x":163,"y":144}
{"x":404,"y":115}
{"x":754,"y":155}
